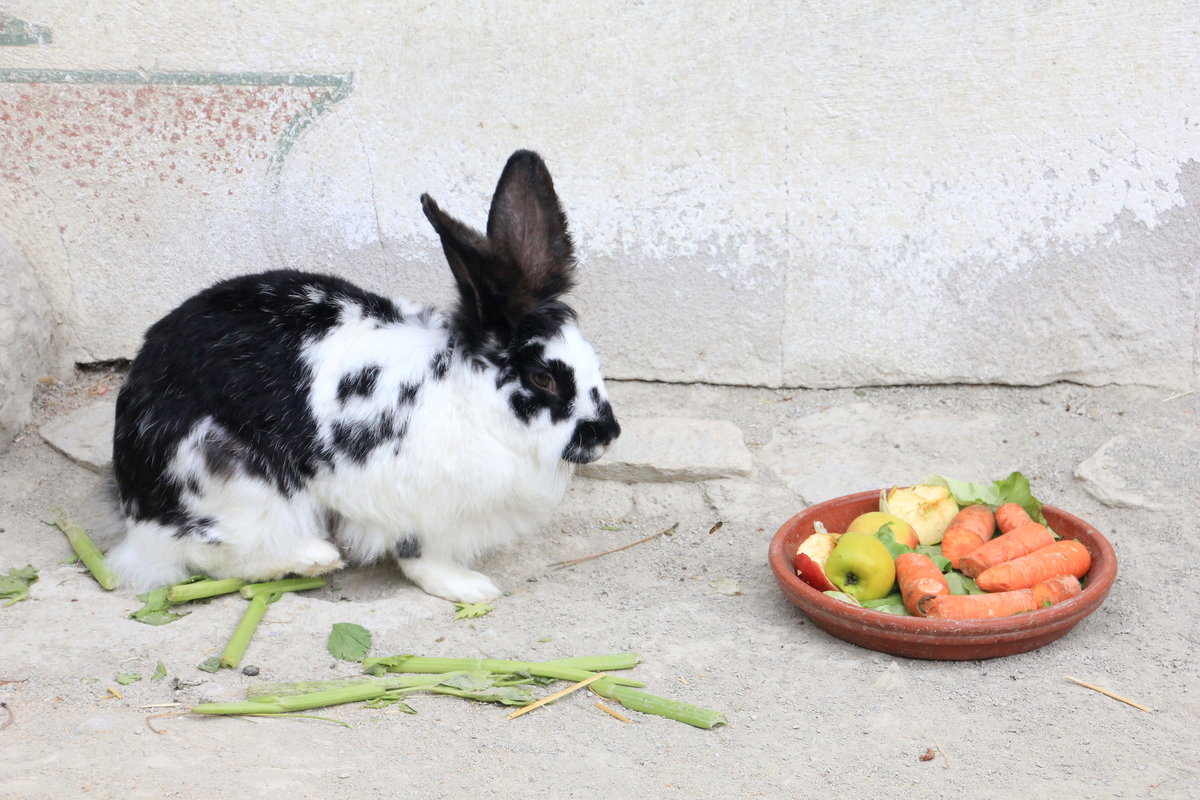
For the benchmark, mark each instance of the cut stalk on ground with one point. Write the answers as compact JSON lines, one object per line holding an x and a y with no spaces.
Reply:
{"x":202,"y":589}
{"x":87,"y":551}
{"x":244,"y":632}
{"x":250,"y":590}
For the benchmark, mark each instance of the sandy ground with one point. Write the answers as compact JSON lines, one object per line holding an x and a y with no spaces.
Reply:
{"x":809,"y":715}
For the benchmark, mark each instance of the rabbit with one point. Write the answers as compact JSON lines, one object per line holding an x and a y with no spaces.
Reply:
{"x":285,"y":422}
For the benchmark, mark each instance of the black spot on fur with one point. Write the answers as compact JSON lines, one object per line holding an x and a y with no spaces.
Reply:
{"x":441,"y":363}
{"x":590,"y":435}
{"x":408,"y":547}
{"x":358,"y":384}
{"x":356,"y":440}
{"x":234,"y":354}
{"x":408,"y":393}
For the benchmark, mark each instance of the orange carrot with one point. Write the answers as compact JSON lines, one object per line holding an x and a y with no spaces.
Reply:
{"x":1067,"y":557}
{"x":982,"y":606}
{"x":968,"y":530}
{"x":920,"y":581}
{"x":1020,"y":541}
{"x":1011,"y":515}
{"x":957,"y":543}
{"x":1055,"y":590}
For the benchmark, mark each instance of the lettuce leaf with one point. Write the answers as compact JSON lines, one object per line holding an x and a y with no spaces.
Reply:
{"x":892,"y":604}
{"x":934,"y":551}
{"x":885,"y":535}
{"x":1013,"y":489}
{"x":845,"y":598}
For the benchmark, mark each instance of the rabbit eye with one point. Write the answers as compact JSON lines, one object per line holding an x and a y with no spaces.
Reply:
{"x":544,"y":381}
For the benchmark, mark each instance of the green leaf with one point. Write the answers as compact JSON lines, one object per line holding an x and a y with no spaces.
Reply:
{"x":961,"y":584}
{"x":885,"y":535}
{"x":1013,"y":489}
{"x":892,"y":604}
{"x":349,"y":642}
{"x":726,"y":586}
{"x":160,"y":672}
{"x":15,"y":583}
{"x":127,"y":678}
{"x":934,"y":551}
{"x":845,"y":598}
{"x":472,"y":610}
{"x":212,"y":664}
{"x":157,"y":609}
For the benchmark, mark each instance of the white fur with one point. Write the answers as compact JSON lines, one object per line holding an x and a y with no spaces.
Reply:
{"x":467,"y":476}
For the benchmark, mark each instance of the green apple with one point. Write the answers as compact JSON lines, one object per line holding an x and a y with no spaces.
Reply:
{"x":872,"y":521}
{"x":861,"y":566}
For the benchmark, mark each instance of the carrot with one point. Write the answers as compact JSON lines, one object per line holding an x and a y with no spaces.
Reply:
{"x":1055,"y":590}
{"x":968,"y":530}
{"x":1020,"y":541}
{"x":959,"y":542}
{"x":920,"y":581}
{"x":1067,"y":557}
{"x":1011,"y":515}
{"x":982,"y":606}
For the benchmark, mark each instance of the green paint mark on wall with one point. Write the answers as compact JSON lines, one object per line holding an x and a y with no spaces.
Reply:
{"x":332,"y":88}
{"x":18,"y":33}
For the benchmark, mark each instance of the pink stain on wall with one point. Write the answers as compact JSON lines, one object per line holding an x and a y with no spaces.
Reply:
{"x":92,"y":136}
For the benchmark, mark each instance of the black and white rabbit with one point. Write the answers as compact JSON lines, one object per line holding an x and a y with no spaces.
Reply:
{"x":275,"y":422}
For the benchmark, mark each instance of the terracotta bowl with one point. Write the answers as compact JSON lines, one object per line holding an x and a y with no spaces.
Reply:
{"x":944,"y":639}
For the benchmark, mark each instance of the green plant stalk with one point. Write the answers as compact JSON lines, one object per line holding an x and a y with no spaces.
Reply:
{"x":564,"y":670}
{"x":300,"y":702}
{"x":661,"y":706}
{"x":199,"y":590}
{"x":271,"y":691}
{"x":87,"y":551}
{"x":245,"y":629}
{"x":250,"y":590}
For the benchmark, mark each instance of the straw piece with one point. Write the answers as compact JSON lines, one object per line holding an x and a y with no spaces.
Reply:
{"x":550,"y":698}
{"x":1110,"y":694}
{"x":573,"y":561}
{"x":613,"y":713}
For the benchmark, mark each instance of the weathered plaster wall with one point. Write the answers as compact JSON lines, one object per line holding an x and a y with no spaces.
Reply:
{"x":762,"y":192}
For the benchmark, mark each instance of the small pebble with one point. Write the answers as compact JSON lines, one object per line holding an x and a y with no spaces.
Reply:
{"x":250,"y":670}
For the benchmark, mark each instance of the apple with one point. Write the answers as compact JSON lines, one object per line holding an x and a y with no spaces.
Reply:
{"x":861,"y":566}
{"x":872,"y":521}
{"x":811,"y":557}
{"x":928,"y":509}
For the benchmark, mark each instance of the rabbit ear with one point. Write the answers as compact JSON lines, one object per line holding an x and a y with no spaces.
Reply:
{"x":527,"y":225}
{"x":525,"y":259}
{"x":479,"y":273}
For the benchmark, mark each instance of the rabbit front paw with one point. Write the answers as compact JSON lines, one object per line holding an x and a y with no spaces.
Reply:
{"x":316,"y":557}
{"x":448,"y":580}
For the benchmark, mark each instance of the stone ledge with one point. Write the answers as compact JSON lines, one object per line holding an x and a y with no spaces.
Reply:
{"x":661,"y":449}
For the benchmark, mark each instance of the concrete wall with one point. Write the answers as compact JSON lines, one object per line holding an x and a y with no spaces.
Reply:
{"x":774,"y":193}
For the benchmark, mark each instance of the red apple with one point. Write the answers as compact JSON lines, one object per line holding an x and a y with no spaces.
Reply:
{"x":810,"y":560}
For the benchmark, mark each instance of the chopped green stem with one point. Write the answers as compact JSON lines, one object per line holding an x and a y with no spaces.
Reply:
{"x":245,"y":630}
{"x":271,"y":691}
{"x":661,"y":706}
{"x":250,"y":590}
{"x":87,"y":551}
{"x":559,"y":670}
{"x":299,"y":702}
{"x":199,"y":590}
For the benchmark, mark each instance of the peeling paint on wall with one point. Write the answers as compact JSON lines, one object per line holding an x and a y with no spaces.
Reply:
{"x":156,"y":122}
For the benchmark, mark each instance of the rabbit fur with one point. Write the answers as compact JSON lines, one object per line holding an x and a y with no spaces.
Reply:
{"x":283,"y":422}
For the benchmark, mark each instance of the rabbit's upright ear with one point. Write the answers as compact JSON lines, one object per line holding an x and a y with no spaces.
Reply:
{"x":525,"y":259}
{"x":527,"y":225}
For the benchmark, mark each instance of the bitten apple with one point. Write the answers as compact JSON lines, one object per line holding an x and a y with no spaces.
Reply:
{"x":861,"y":566}
{"x":872,"y":521}
{"x":927,"y":508}
{"x":810,"y":560}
